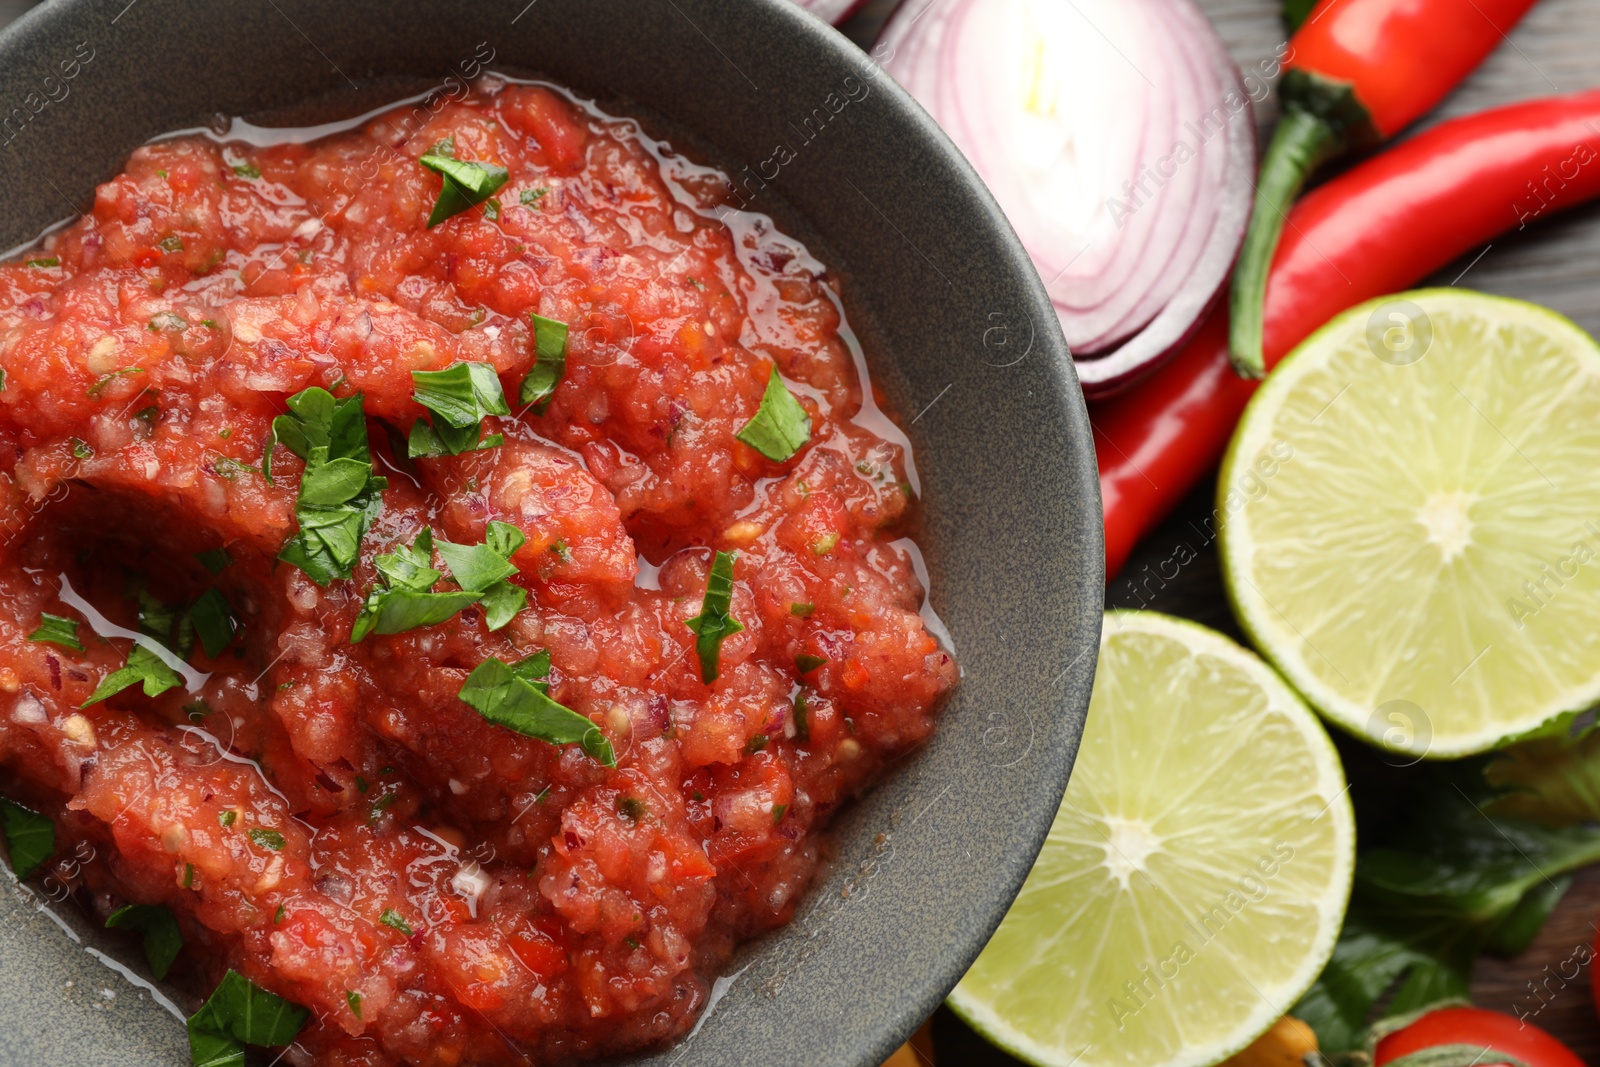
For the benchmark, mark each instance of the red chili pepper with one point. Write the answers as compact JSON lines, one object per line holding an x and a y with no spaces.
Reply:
{"x":1472,"y":1037}
{"x":1357,"y":73}
{"x":1378,"y":228}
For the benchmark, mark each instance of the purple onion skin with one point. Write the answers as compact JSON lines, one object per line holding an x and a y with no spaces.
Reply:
{"x":1108,"y":373}
{"x":1181,"y":318}
{"x":834,"y":11}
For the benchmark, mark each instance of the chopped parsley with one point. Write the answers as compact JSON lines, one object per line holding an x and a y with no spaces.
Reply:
{"x":550,"y":363}
{"x":214,"y":621}
{"x":631,"y":808}
{"x":339,"y":494}
{"x":247,"y":170}
{"x":713,"y":624}
{"x":104,"y":380}
{"x":241,"y":1013}
{"x":802,"y":717}
{"x":466,"y":185}
{"x":391,"y":918}
{"x":780,"y":426}
{"x":215,"y":560}
{"x":151,"y":663}
{"x":228,"y":818}
{"x":516,"y":697}
{"x":80,"y":448}
{"x":459,"y":397}
{"x":533,"y":196}
{"x":162,"y":938}
{"x":406,"y":601}
{"x":30,"y":837}
{"x":491,"y":209}
{"x":44,"y":262}
{"x":57,"y":630}
{"x":271,"y":839}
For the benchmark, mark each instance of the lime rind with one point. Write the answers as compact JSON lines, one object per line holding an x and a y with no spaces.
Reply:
{"x":1170,"y":694}
{"x":1500,"y":419}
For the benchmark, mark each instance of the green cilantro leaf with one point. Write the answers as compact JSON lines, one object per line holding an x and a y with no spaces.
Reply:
{"x":780,"y":426}
{"x":550,"y":363}
{"x":339,"y":494}
{"x":465,"y":184}
{"x":30,"y":837}
{"x":507,"y":698}
{"x":162,"y":938}
{"x":270,"y":839}
{"x":501,"y":602}
{"x":240,"y":1013}
{"x":714,"y":623}
{"x":57,"y":630}
{"x":410,"y":567}
{"x":146,"y":666}
{"x":462,"y":394}
{"x":214,"y":621}
{"x":394,"y":611}
{"x":477,"y":567}
{"x":215,"y":560}
{"x":392,"y":918}
{"x":460,"y":397}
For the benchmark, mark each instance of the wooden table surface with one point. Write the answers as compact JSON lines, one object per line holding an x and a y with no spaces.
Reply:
{"x":1556,"y":263}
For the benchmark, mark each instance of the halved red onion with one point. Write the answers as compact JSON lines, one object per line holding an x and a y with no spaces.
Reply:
{"x":1118,"y":138}
{"x":834,"y":11}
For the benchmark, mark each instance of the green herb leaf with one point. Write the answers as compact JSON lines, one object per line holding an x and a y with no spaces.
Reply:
{"x":162,"y":938}
{"x":756,"y":744}
{"x":57,"y":630}
{"x":477,"y":567}
{"x":491,"y":209}
{"x":501,"y":602}
{"x":270,"y":839}
{"x":465,"y":186}
{"x":30,"y":837}
{"x":394,"y":611}
{"x":462,"y":394}
{"x":427,"y":441}
{"x":534,"y":670}
{"x":248,"y":171}
{"x":801,"y":611}
{"x":802,"y":718}
{"x":44,"y":261}
{"x":778,"y":812}
{"x":147,"y":666}
{"x":1554,"y":781}
{"x":1296,"y":12}
{"x":392,"y":918}
{"x":1442,"y":885}
{"x":353,"y":999}
{"x":173,"y":243}
{"x":104,"y":380}
{"x":215,"y":560}
{"x":339,"y":495}
{"x":533,"y":196}
{"x":780,"y":427}
{"x":239,"y":1013}
{"x":550,"y":363}
{"x":214,"y":621}
{"x":505,"y":698}
{"x":713,"y":624}
{"x":805,"y":663}
{"x":277,"y":916}
{"x":227,"y":818}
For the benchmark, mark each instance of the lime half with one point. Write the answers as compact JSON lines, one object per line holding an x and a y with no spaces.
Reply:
{"x":1411,"y":520}
{"x":1194,"y":881}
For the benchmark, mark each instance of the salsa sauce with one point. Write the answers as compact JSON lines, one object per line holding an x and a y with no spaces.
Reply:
{"x":330,"y":819}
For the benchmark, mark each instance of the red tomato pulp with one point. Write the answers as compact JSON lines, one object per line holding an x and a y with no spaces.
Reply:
{"x":330,"y":819}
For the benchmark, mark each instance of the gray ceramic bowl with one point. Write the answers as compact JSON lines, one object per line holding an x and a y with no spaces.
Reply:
{"x":955,"y":324}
